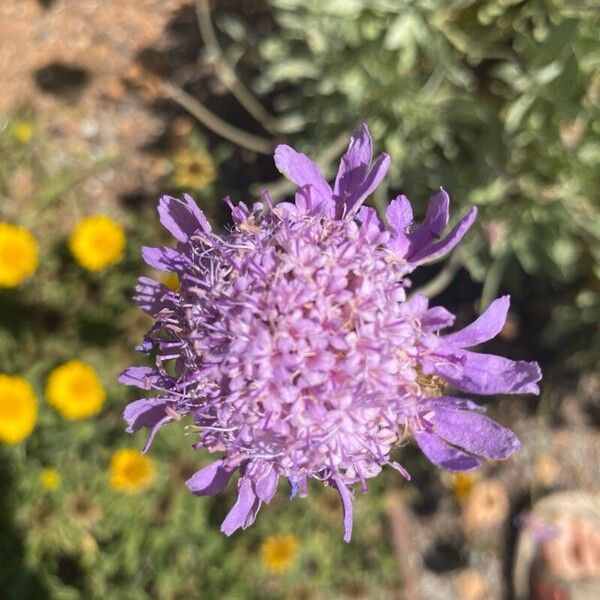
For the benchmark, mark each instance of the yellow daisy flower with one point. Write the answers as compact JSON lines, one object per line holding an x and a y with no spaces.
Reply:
{"x":279,"y":551}
{"x":18,"y":255}
{"x":21,"y":131}
{"x":131,"y":471}
{"x":487,"y":505}
{"x":97,"y":242}
{"x":50,"y":479}
{"x":193,"y":170}
{"x":18,"y":409}
{"x":75,"y":390}
{"x":171,"y":281}
{"x":462,"y":484}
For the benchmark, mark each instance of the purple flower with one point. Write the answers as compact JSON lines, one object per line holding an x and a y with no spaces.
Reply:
{"x":293,"y":345}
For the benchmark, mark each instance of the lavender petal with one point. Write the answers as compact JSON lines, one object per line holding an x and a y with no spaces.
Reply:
{"x":266,"y":486}
{"x":475,"y":433}
{"x":299,"y":169}
{"x":435,"y":250}
{"x":182,"y":219}
{"x":209,"y":480}
{"x":444,"y":455}
{"x":433,"y":225}
{"x":484,"y":328}
{"x":490,"y":374}
{"x":244,"y":511}
{"x":346,"y":498}
{"x":146,"y":412}
{"x":165,"y":259}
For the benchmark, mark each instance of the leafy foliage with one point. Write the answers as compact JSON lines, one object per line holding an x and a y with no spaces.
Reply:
{"x":497,"y":101}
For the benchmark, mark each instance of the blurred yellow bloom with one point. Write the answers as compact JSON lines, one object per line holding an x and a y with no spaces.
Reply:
{"x":18,"y":409}
{"x":130,"y":470}
{"x":18,"y":255}
{"x":279,"y":551}
{"x":547,"y":469}
{"x":471,"y":585}
{"x":21,"y":131}
{"x":172,"y":281}
{"x":50,"y":479}
{"x":462,"y":484}
{"x":487,"y":505}
{"x":75,"y":390}
{"x":193,"y":170}
{"x":97,"y":242}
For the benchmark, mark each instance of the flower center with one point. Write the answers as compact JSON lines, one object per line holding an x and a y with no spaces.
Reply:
{"x":10,"y":408}
{"x":432,"y":385}
{"x":10,"y":256}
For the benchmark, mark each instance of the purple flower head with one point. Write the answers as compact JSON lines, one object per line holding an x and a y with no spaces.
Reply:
{"x":293,"y":345}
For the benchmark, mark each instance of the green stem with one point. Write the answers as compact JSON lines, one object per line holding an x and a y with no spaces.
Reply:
{"x":493,"y":280}
{"x":227,"y":74}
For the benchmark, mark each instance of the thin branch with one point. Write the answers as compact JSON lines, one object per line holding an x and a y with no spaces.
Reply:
{"x":399,"y":519}
{"x":226,"y":73}
{"x":492,"y":280}
{"x":217,"y":125}
{"x":443,"y":279}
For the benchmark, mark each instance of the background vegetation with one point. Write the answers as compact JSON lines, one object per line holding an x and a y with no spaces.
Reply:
{"x":496,"y":100}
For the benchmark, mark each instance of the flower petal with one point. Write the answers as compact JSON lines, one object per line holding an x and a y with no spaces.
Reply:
{"x":437,"y":249}
{"x":151,"y":296}
{"x":309,"y":202}
{"x":165,"y":259}
{"x":145,"y":378}
{"x":372,"y":227}
{"x":484,"y":328}
{"x":299,"y":169}
{"x":146,"y":412}
{"x":355,"y":163}
{"x":444,"y":455}
{"x":373,"y":178}
{"x":244,"y":511}
{"x":489,"y":374}
{"x":209,"y":480}
{"x":239,"y":213}
{"x":437,"y":318}
{"x":434,"y":223}
{"x":452,"y":402}
{"x":182,"y":218}
{"x":399,"y":214}
{"x":346,"y":498}
{"x":266,"y":486}
{"x":474,"y":432}
{"x":154,"y":431}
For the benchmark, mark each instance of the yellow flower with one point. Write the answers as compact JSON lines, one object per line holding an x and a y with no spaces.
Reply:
{"x":487,"y":505}
{"x":21,"y":131}
{"x":18,"y":255}
{"x":18,"y":409}
{"x":278,"y":552}
{"x":97,"y":242}
{"x":193,"y":170}
{"x":471,"y":585}
{"x":171,"y":281}
{"x":75,"y":390}
{"x":50,"y":479}
{"x":547,"y":469}
{"x":462,"y":484}
{"x":130,"y":470}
